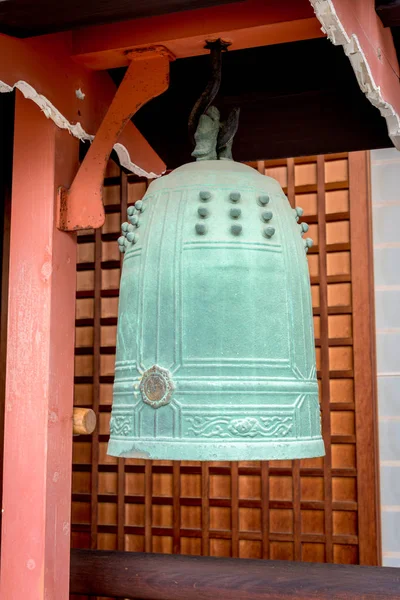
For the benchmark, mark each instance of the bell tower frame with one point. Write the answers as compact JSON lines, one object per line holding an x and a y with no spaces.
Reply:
{"x":63,"y":74}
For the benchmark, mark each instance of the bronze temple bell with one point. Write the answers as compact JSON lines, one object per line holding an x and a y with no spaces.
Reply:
{"x":215,"y":346}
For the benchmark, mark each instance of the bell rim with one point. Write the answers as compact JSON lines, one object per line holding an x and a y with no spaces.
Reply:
{"x":227,"y":451}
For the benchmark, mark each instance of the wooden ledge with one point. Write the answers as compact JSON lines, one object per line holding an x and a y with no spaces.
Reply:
{"x":174,"y":577}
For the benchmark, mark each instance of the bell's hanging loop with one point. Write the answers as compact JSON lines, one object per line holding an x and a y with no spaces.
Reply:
{"x":212,"y":139}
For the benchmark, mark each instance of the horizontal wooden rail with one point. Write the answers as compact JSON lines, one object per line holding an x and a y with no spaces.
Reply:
{"x":173,"y":577}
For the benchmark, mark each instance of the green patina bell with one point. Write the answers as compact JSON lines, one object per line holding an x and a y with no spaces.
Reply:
{"x":215,"y":348}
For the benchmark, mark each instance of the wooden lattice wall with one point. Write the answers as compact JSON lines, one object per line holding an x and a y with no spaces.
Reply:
{"x":322,"y":509}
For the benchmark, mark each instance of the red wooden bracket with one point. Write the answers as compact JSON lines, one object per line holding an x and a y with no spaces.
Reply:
{"x":81,"y":206}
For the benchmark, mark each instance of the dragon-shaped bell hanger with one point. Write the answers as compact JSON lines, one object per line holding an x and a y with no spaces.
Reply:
{"x":212,"y":138}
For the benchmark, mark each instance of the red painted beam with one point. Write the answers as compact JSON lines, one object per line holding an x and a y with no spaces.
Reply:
{"x":81,"y":206}
{"x":74,"y":97}
{"x":370,"y":48}
{"x":40,"y":366}
{"x":246,"y":24}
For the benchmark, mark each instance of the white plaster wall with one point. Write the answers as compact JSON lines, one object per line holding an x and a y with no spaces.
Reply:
{"x":385,"y":180}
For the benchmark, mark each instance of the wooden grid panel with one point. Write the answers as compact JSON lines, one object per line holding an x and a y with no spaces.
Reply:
{"x":305,"y":510}
{"x":321,"y":188}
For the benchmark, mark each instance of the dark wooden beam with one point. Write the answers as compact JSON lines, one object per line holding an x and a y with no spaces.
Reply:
{"x":173,"y":577}
{"x":24,"y":18}
{"x":388,"y":12}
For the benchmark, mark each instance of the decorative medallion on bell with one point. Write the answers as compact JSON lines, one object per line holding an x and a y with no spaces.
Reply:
{"x":156,"y":387}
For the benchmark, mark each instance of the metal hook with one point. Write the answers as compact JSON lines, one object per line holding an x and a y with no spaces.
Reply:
{"x":216,"y":48}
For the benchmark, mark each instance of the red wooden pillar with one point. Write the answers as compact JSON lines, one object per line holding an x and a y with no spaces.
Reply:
{"x":39,"y":384}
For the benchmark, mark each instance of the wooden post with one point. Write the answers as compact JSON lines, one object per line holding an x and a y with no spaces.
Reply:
{"x":6,"y":144}
{"x":40,"y":365}
{"x":365,"y":377}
